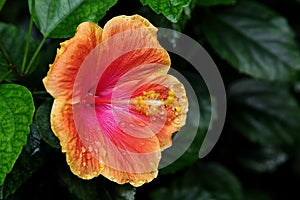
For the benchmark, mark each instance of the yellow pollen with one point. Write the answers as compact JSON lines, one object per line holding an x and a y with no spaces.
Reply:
{"x":177,"y":109}
{"x":150,"y":102}
{"x":169,"y":100}
{"x":171,"y":93}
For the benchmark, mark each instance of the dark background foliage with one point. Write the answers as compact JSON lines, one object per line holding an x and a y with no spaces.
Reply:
{"x":255,"y":45}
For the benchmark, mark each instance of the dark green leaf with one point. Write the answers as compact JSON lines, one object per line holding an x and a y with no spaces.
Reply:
{"x":267,"y":116}
{"x":261,"y":45}
{"x":2,"y":2}
{"x":16,"y":114}
{"x":261,"y":158}
{"x":257,"y":195}
{"x":161,"y":21}
{"x":215,"y":2}
{"x":96,"y":188}
{"x":28,"y":162}
{"x":264,"y":113}
{"x":59,"y":19}
{"x":12,"y":48}
{"x":207,"y":182}
{"x":42,"y":119}
{"x":125,"y":192}
{"x":170,"y":9}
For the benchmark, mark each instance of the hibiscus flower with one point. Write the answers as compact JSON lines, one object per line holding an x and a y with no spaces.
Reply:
{"x":115,"y":107}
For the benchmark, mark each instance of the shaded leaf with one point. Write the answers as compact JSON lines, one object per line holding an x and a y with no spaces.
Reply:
{"x":2,"y":2}
{"x":257,"y":195}
{"x":215,"y":2}
{"x":59,"y":19}
{"x":16,"y":114}
{"x":13,"y":41}
{"x":209,"y":181}
{"x":170,"y":9}
{"x":264,"y":113}
{"x":262,"y":46}
{"x":96,"y":189}
{"x":28,"y":162}
{"x":42,"y":119}
{"x":261,"y":158}
{"x":46,"y":56}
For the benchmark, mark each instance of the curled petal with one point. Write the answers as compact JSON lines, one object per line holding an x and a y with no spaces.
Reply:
{"x":175,"y":114}
{"x":135,"y":179}
{"x":126,"y":23}
{"x":62,"y":73}
{"x":80,"y":160}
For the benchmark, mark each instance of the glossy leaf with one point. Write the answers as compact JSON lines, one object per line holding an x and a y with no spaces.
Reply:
{"x":28,"y":162}
{"x":42,"y":119}
{"x":170,"y":9}
{"x":161,"y":21}
{"x":16,"y":114}
{"x":215,"y":2}
{"x":12,"y":48}
{"x":208,"y":181}
{"x":264,"y":113}
{"x":262,"y":46}
{"x":59,"y":19}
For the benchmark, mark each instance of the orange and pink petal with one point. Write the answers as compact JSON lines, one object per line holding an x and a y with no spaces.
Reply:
{"x":79,"y":158}
{"x":60,"y":79}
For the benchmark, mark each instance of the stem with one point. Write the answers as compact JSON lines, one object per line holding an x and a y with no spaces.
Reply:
{"x":5,"y":54}
{"x":35,"y":55}
{"x":27,"y":45}
{"x":11,"y":66}
{"x":4,"y":75}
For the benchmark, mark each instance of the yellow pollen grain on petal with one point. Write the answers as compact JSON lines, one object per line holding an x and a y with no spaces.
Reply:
{"x":177,"y":109}
{"x":169,"y":100}
{"x":171,"y":93}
